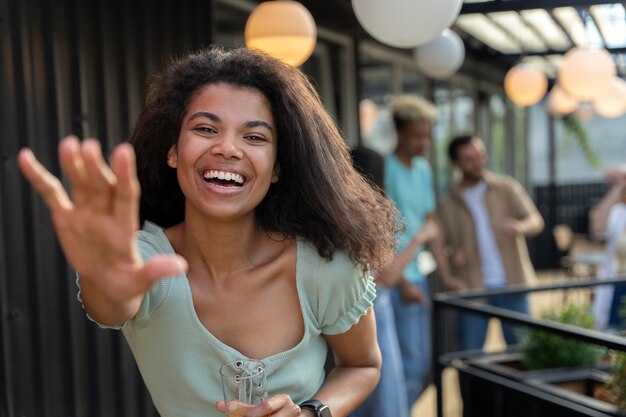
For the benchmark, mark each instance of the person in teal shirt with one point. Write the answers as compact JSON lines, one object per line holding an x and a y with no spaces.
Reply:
{"x":256,"y":241}
{"x":409,"y":184}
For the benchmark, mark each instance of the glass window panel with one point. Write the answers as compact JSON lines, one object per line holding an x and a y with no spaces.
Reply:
{"x":410,"y":81}
{"x":462,"y":112}
{"x":483,"y":29}
{"x":520,"y":31}
{"x":551,"y":32}
{"x":497,"y":145}
{"x":545,"y":64}
{"x":570,"y":20}
{"x":612,"y":21}
{"x":455,"y":115}
{"x":442,"y":135}
{"x":377,"y":88}
{"x":520,"y":169}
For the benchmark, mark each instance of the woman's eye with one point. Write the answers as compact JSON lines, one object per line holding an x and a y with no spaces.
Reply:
{"x":256,"y":138}
{"x":205,"y":129}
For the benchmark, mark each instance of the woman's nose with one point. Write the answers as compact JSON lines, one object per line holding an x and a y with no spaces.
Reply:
{"x":228,"y":146}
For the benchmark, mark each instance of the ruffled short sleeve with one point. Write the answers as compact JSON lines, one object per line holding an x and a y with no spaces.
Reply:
{"x":344,"y":293}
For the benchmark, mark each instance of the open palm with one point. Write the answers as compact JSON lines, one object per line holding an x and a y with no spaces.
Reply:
{"x":96,"y":227}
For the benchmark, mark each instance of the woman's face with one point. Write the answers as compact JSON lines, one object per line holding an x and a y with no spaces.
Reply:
{"x":414,"y":138}
{"x":226,"y":153}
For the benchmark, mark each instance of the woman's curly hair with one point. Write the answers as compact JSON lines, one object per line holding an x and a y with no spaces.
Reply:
{"x":319,"y":197}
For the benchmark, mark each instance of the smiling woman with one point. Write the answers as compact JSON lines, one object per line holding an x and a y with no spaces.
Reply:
{"x":256,"y":238}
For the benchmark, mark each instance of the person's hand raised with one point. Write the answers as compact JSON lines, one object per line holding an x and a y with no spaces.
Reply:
{"x":96,"y":227}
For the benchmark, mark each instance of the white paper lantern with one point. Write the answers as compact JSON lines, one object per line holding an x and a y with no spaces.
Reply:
{"x":525,"y":85}
{"x":282,"y":29}
{"x":560,"y":103}
{"x":441,"y":57}
{"x":406,"y":23}
{"x":586,"y":73}
{"x":612,"y":103}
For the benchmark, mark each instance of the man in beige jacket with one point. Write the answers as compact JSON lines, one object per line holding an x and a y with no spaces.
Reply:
{"x":485,"y":220}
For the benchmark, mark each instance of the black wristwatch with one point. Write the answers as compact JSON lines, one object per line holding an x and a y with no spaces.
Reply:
{"x":320,"y":409}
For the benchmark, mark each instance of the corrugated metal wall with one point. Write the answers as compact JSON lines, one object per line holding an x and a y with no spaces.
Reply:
{"x":70,"y":66}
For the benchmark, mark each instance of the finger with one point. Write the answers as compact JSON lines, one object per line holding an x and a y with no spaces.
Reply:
{"x":73,"y":165}
{"x":47,"y":185}
{"x":126,"y":191}
{"x":161,"y":267}
{"x":101,"y":178}
{"x":280,"y":405}
{"x":221,"y":406}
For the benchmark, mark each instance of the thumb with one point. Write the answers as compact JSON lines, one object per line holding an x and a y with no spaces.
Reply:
{"x":161,"y":267}
{"x":221,"y":406}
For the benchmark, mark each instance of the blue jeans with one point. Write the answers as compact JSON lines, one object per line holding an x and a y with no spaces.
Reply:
{"x":389,"y":397}
{"x":472,"y":328}
{"x":615,"y":318}
{"x":414,"y":335}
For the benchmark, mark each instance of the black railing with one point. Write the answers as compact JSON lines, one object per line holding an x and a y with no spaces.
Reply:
{"x":466,"y":302}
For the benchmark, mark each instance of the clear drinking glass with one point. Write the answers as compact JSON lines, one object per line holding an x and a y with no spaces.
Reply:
{"x":243,"y":383}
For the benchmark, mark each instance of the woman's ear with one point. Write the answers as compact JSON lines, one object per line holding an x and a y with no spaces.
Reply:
{"x":275,"y":173}
{"x":172,"y":157}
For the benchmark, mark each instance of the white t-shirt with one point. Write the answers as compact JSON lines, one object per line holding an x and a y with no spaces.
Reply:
{"x":615,"y":227}
{"x":491,"y":263}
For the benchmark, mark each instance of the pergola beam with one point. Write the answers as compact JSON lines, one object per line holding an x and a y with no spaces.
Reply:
{"x":553,"y":52}
{"x":518,"y":5}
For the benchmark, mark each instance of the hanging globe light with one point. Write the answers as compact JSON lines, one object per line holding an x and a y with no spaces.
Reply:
{"x":525,"y":85}
{"x":441,"y":57}
{"x":586,"y":73}
{"x":559,"y":103}
{"x":612,"y":103}
{"x":283,"y":29}
{"x":406,"y":23}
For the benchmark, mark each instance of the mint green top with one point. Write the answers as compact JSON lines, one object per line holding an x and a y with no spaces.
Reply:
{"x":180,"y":359}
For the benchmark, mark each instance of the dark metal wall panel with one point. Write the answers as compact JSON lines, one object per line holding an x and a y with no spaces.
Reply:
{"x":70,"y":66}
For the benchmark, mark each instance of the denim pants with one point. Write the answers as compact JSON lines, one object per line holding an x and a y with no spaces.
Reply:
{"x":389,"y":397}
{"x":414,"y":334}
{"x":472,"y":328}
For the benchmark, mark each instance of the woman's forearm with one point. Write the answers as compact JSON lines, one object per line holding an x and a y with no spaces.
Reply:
{"x":347,"y":387}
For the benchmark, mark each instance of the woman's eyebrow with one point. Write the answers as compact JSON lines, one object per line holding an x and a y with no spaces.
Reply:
{"x":206,"y":114}
{"x":257,"y":123}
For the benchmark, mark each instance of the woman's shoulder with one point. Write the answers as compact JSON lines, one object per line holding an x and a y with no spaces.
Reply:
{"x":329,"y":278}
{"x":151,"y":239}
{"x":339,"y":263}
{"x":338,"y":290}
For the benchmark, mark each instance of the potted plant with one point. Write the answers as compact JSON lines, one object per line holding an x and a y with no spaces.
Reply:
{"x":553,"y":366}
{"x":540,"y":350}
{"x":544,"y":350}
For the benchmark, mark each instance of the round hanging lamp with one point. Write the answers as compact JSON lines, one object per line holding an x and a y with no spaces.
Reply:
{"x":406,"y":23}
{"x":560,"y":103}
{"x":612,"y":103}
{"x":283,"y":29}
{"x":525,"y":85}
{"x":586,"y":73}
{"x":441,"y":57}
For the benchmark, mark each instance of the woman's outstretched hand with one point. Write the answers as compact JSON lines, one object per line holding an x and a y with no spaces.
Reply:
{"x":96,"y":226}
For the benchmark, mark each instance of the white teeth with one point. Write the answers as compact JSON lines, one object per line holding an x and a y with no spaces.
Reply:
{"x":223,"y":175}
